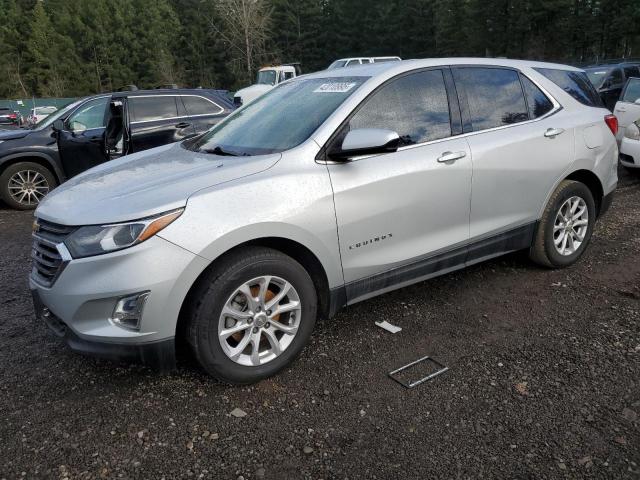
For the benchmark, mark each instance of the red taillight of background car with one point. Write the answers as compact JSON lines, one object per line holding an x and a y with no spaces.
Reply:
{"x":13,"y":116}
{"x":612,"y":123}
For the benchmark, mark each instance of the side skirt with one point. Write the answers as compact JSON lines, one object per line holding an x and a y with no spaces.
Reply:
{"x":459,"y":257}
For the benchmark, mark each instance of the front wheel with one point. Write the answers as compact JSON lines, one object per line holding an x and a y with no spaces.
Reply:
{"x":23,"y":185}
{"x":566,"y":226}
{"x":252,"y":315}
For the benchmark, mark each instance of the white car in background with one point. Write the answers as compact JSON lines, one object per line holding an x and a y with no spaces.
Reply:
{"x":40,"y":113}
{"x":353,"y":61}
{"x":627,"y":110}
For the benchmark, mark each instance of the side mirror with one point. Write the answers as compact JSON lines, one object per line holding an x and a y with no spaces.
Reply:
{"x":58,"y":125}
{"x":366,"y":141}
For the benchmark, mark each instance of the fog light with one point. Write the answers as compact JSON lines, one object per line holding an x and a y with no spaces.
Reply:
{"x":128,"y":311}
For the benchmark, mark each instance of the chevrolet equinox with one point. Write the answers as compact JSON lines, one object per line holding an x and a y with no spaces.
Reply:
{"x":330,"y":189}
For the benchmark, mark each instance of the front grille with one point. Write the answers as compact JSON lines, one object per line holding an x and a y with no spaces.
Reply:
{"x":48,"y":262}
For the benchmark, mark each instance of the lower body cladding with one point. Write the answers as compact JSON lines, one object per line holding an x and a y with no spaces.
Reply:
{"x":630,"y":153}
{"x":123,"y":305}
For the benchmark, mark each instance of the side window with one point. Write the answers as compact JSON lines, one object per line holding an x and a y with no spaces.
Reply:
{"x":352,"y":62}
{"x":494,"y":95}
{"x":615,"y":78}
{"x":632,"y":91}
{"x":415,"y":106}
{"x":200,"y":106}
{"x":89,"y":115}
{"x":153,"y":108}
{"x":288,"y":75}
{"x":576,"y":84}
{"x":537,"y":102}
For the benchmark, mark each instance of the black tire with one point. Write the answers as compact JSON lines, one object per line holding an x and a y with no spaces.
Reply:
{"x":214,"y":290}
{"x":543,"y":250}
{"x":11,"y":170}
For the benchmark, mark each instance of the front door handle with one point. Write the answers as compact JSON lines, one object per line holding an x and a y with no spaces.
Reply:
{"x":451,"y":156}
{"x":553,"y":132}
{"x":183,"y":125}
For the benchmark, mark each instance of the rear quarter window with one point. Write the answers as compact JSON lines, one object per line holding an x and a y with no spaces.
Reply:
{"x":200,"y":106}
{"x":576,"y":84}
{"x":537,"y":102}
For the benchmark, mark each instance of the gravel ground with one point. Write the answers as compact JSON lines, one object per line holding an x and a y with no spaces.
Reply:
{"x":544,"y":382}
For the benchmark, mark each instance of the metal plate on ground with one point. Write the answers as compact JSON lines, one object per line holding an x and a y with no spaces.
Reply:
{"x":403,"y":375}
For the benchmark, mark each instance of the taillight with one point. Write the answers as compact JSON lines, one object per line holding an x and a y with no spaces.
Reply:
{"x":612,"y":123}
{"x":13,"y":116}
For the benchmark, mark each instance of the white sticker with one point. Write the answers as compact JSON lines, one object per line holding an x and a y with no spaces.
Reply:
{"x":334,"y":87}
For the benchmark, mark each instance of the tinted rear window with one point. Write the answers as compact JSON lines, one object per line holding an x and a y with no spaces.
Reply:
{"x":494,"y":95}
{"x":576,"y":84}
{"x":153,"y":108}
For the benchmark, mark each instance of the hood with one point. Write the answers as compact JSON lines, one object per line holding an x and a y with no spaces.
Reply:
{"x":143,"y":184}
{"x":251,"y":93}
{"x":13,"y":134}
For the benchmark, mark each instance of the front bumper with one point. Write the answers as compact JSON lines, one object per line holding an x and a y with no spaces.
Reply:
{"x":81,"y":301}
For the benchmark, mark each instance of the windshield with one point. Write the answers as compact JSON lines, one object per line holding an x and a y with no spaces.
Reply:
{"x":597,"y":75}
{"x":266,"y":77}
{"x":337,"y":64}
{"x":279,"y":120}
{"x":48,"y":120}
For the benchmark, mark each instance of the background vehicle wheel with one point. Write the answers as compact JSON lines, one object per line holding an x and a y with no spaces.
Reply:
{"x":566,"y":226}
{"x":24,"y":184}
{"x":252,"y":315}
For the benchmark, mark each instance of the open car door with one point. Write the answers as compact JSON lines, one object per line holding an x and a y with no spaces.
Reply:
{"x":627,"y":110}
{"x":117,"y":137}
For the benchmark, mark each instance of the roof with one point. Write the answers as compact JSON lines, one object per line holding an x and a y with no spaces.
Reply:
{"x":372,"y":69}
{"x":166,"y":91}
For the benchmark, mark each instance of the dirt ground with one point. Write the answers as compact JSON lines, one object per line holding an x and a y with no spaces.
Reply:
{"x":544,"y":382}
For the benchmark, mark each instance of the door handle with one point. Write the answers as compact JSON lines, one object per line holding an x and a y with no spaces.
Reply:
{"x":553,"y":132}
{"x":183,"y":125}
{"x":451,"y":156}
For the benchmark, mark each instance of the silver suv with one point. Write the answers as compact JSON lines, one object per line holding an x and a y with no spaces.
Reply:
{"x":330,"y":189}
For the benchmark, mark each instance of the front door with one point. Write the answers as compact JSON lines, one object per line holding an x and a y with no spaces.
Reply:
{"x":402,"y":216}
{"x":627,"y":110}
{"x":81,"y":142}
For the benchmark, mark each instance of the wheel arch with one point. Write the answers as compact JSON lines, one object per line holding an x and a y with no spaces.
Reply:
{"x":592,"y":182}
{"x":36,"y":157}
{"x":327,"y":303}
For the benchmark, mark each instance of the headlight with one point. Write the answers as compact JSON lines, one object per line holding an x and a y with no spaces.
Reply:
{"x":99,"y":239}
{"x":632,"y":132}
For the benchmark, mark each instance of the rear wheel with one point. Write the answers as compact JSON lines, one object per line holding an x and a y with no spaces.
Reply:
{"x":566,"y":226}
{"x":252,"y":315}
{"x":23,"y":185}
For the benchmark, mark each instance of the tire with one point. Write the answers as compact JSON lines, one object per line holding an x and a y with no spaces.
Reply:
{"x":220,"y":289}
{"x":23,"y":174}
{"x":544,"y":250}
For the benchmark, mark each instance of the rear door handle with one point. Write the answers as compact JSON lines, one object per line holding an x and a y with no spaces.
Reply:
{"x":553,"y":132}
{"x":451,"y":156}
{"x":183,"y":125}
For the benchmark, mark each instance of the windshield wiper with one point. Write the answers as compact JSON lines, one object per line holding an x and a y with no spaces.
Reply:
{"x":218,"y":150}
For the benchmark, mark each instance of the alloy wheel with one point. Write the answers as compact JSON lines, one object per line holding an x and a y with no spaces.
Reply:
{"x":28,"y":187}
{"x":570,"y":226}
{"x":259,"y":320}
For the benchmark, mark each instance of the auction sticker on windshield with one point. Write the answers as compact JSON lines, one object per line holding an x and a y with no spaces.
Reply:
{"x":335,"y":87}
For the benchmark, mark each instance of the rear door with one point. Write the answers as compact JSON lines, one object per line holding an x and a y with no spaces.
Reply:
{"x":627,"y":110}
{"x":403,"y":216}
{"x":520,"y":146}
{"x":157,"y":120}
{"x":81,"y":142}
{"x":203,"y":113}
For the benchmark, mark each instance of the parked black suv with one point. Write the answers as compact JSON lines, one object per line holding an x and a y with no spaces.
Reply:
{"x":609,"y":79}
{"x":95,"y":129}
